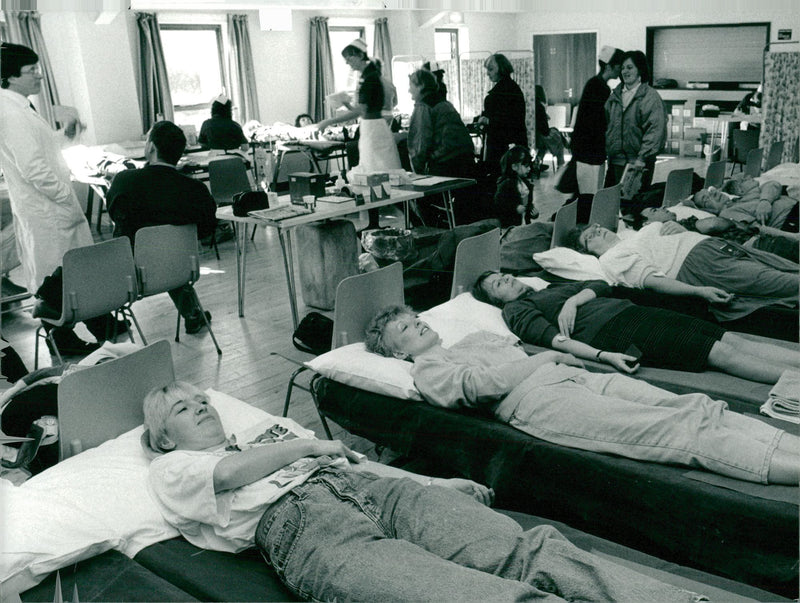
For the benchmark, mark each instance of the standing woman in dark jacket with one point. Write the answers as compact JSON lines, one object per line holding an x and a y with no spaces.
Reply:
{"x":503,"y":112}
{"x":636,"y":121}
{"x":221,"y":132}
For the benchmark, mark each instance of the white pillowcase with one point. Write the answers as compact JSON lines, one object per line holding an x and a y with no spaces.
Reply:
{"x":88,"y":504}
{"x":571,"y":264}
{"x":463,"y":315}
{"x":354,"y":365}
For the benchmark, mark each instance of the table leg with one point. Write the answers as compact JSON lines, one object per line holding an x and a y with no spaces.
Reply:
{"x":448,"y":204}
{"x":240,"y":239}
{"x":285,"y":237}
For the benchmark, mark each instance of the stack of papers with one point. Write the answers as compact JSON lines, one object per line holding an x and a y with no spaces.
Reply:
{"x":281,"y":212}
{"x":784,"y":398}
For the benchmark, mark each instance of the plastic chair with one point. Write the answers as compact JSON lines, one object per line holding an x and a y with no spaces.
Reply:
{"x":743,"y":142}
{"x":752,"y":166}
{"x":775,"y":155}
{"x":358,"y":299}
{"x":605,"y":208}
{"x":226,"y":177}
{"x":678,"y":187}
{"x":166,"y":258}
{"x":474,"y":256}
{"x":715,"y":174}
{"x":97,"y":279}
{"x":566,"y":220}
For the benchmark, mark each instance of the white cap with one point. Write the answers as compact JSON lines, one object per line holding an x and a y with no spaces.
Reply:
{"x":221,"y":99}
{"x":360,"y":44}
{"x":607,"y":53}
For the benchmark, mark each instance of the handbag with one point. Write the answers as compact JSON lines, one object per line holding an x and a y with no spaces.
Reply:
{"x":314,"y":334}
{"x":247,"y":201}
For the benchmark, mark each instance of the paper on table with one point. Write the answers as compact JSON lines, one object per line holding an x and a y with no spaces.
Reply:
{"x":432,"y":180}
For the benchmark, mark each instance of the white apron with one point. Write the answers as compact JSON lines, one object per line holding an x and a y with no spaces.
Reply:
{"x":48,"y":219}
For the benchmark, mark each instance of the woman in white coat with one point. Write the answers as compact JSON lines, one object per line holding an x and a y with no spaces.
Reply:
{"x":48,"y":219}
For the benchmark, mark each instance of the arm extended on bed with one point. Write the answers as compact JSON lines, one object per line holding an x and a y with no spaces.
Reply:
{"x":670,"y":286}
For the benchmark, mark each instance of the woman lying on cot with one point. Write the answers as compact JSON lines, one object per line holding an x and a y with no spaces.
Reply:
{"x":582,"y":319}
{"x":551,"y":397}
{"x":735,"y":280}
{"x":335,"y":526}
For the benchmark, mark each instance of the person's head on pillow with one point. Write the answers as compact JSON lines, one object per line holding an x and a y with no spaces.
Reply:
{"x":639,"y":216}
{"x":497,"y":289}
{"x":180,"y":417}
{"x":711,"y":199}
{"x":303,"y":120}
{"x":165,"y":143}
{"x":594,"y":239}
{"x":397,"y":332}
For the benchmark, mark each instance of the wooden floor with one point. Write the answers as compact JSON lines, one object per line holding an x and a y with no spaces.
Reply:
{"x":246,"y":369}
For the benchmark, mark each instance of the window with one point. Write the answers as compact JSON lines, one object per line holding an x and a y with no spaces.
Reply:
{"x":446,"y":49}
{"x":343,"y":77}
{"x":193,"y":54}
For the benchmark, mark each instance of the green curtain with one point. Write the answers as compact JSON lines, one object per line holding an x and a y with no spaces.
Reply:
{"x":154,"y":95}
{"x":780,"y":104}
{"x":241,"y":68}
{"x":321,"y":71}
{"x":382,"y":47}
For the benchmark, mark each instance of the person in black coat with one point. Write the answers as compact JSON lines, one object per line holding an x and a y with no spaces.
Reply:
{"x":221,"y":132}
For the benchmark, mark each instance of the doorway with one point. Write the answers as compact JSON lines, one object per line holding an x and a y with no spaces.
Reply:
{"x":563,"y":63}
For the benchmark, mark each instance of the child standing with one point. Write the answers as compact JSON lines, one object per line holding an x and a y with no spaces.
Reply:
{"x":513,"y":201}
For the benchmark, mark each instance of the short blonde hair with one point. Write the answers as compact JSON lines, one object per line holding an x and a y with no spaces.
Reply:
{"x":157,"y":404}
{"x":376,"y":329}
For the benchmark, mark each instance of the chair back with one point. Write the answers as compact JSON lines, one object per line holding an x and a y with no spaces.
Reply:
{"x":605,"y":208}
{"x":103,"y":401}
{"x":775,"y":155}
{"x":227,"y":176}
{"x":97,"y":279}
{"x":715,"y":174}
{"x":752,"y":166}
{"x":474,"y":256}
{"x":360,"y":297}
{"x":166,"y":257}
{"x":678,"y":187}
{"x":743,"y":142}
{"x":566,"y":220}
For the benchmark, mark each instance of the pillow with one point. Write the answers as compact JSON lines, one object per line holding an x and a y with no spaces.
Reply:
{"x":571,"y":264}
{"x":88,"y":504}
{"x":463,"y":315}
{"x":354,"y":365}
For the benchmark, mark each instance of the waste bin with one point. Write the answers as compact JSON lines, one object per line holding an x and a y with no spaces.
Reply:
{"x":327,"y":252}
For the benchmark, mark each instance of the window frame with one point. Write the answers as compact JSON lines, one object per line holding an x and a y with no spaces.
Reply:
{"x":455,"y":54}
{"x":361,"y":31}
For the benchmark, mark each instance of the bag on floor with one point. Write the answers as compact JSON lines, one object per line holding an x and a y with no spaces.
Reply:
{"x":314,"y":334}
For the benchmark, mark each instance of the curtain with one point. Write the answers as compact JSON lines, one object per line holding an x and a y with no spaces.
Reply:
{"x":24,"y":27}
{"x":321,"y":72}
{"x":382,"y":47}
{"x":154,"y":94}
{"x":781,"y":103}
{"x":242,"y":71}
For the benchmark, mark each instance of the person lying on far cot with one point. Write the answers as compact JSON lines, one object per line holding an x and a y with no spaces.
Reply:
{"x":551,"y":397}
{"x":735,"y":280}
{"x":583,"y":319}
{"x":337,"y":527}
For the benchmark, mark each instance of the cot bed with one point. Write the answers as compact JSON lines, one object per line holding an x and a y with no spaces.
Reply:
{"x":744,"y":531}
{"x":98,"y":500}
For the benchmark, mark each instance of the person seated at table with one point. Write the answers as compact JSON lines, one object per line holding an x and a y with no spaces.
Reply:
{"x":550,"y":396}
{"x":779,"y":242}
{"x":743,"y":199}
{"x":221,"y":132}
{"x":735,"y":280}
{"x":335,"y":526}
{"x":159,"y":194}
{"x":513,"y":199}
{"x":584,"y":320}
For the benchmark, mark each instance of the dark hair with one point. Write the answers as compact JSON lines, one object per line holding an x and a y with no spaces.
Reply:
{"x":640,"y":61}
{"x":634,"y":217}
{"x":169,"y":140}
{"x":13,"y":57}
{"x":301,"y":116}
{"x":219,"y":109}
{"x":504,"y":68}
{"x":539,"y":94}
{"x":573,"y":238}
{"x":426,"y":80}
{"x":516,"y":154}
{"x":352,"y":51}
{"x":481,"y":294}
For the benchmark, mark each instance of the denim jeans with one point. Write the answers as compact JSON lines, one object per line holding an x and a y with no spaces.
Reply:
{"x":347,"y":535}
{"x":614,"y":414}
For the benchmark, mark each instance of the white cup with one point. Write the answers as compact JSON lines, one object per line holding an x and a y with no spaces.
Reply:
{"x":310,"y":201}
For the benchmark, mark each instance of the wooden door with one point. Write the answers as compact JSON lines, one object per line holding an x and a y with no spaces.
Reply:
{"x":563,"y":63}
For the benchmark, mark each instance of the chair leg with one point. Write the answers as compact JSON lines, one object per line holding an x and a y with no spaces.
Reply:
{"x":129,"y":312}
{"x":316,"y":404}
{"x":178,"y":328}
{"x":289,"y":389}
{"x":253,"y":234}
{"x":48,"y":337}
{"x":199,"y":306}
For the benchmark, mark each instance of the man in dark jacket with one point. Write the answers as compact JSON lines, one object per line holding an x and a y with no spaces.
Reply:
{"x":158,"y":194}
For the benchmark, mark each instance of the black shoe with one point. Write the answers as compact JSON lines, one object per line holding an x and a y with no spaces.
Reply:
{"x":69,"y":344}
{"x":195,"y":322}
{"x":105,"y":327}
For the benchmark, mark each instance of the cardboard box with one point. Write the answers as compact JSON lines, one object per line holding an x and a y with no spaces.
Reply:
{"x":676,"y":131}
{"x":693,"y":133}
{"x":306,"y":183}
{"x":691,"y":148}
{"x":675,"y":146}
{"x":677,"y":110}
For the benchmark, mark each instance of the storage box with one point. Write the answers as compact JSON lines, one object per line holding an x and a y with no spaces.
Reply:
{"x":677,"y":111}
{"x":693,"y":133}
{"x":676,"y":131}
{"x":675,"y":146}
{"x":691,"y":148}
{"x":306,"y":183}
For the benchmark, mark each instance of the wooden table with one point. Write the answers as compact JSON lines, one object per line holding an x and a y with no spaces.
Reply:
{"x":324,"y":211}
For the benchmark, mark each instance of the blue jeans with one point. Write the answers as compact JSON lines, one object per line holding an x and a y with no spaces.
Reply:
{"x":347,"y":535}
{"x":614,"y":414}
